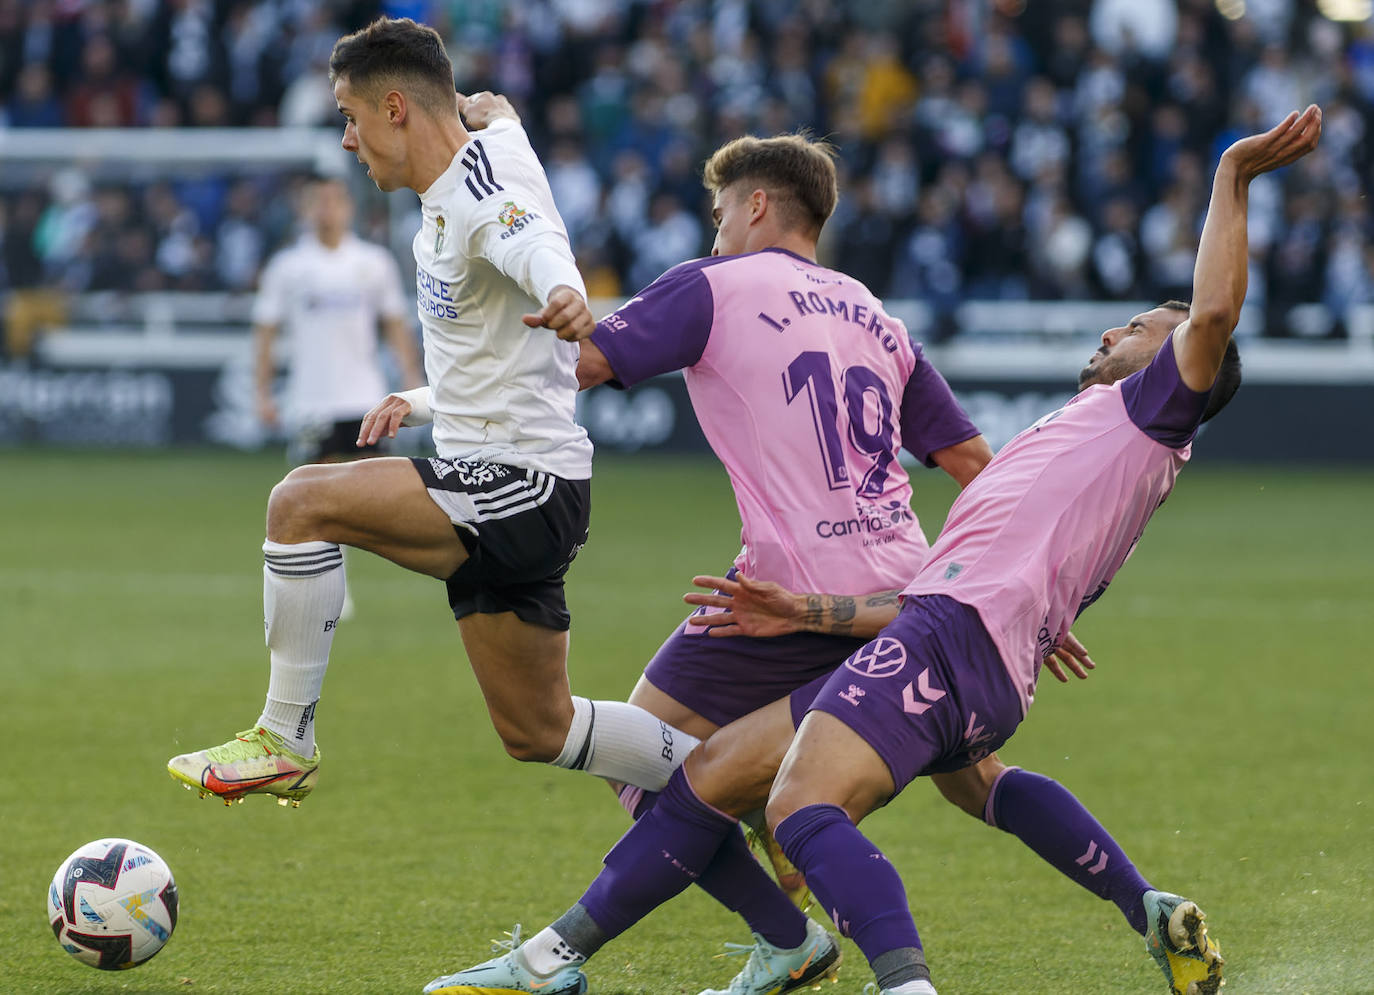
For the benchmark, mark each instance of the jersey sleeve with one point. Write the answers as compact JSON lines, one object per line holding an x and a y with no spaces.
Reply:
{"x":664,"y":327}
{"x":1160,"y":404}
{"x":931,"y":418}
{"x":270,"y":304}
{"x":510,"y":226}
{"x":391,"y":297}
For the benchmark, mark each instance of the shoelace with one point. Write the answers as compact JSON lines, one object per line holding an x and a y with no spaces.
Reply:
{"x":737,"y":949}
{"x":510,"y":943}
{"x":758,"y":953}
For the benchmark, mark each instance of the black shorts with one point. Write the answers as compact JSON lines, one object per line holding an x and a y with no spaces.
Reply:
{"x":521,"y":529}
{"x":331,"y":442}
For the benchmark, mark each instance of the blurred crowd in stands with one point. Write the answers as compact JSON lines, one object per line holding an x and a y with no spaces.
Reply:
{"x":1004,"y":149}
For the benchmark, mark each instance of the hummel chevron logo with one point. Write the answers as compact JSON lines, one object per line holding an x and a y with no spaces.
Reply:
{"x":975,"y":734}
{"x":1088,"y":855}
{"x":925,"y":689}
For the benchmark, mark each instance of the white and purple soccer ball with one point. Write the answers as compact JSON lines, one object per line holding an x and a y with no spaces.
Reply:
{"x":113,"y":904}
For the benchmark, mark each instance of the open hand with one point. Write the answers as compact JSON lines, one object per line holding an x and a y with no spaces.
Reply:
{"x":383,"y":420}
{"x":750,"y":607}
{"x":1285,"y":143}
{"x":1072,"y":654}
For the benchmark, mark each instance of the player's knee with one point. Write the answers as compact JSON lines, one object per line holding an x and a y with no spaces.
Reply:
{"x":729,"y":779}
{"x":781,"y":803}
{"x":293,"y":506}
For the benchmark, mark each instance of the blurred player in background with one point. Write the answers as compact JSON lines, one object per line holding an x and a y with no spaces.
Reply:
{"x":1031,"y":543}
{"x":502,"y":511}
{"x":329,"y":291}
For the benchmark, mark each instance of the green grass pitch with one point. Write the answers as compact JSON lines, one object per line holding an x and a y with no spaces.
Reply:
{"x":1226,"y":739}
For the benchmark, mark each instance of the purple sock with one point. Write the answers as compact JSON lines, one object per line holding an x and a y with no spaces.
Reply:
{"x":680,"y":841}
{"x":850,"y":877}
{"x":735,"y":879}
{"x":1045,"y":816}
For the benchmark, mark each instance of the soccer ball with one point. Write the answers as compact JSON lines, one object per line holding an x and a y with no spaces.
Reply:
{"x":113,"y":904}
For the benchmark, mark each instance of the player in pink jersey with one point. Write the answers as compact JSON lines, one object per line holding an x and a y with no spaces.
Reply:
{"x":806,"y":389}
{"x":1032,"y":542}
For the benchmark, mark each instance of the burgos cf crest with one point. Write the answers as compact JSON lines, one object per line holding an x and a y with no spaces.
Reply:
{"x":514,"y":218}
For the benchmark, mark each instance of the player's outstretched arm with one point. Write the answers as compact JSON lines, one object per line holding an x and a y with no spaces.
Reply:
{"x":1219,"y":276}
{"x":763,"y":608}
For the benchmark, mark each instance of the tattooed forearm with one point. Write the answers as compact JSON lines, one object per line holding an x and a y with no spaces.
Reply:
{"x":845,"y":615}
{"x":881,"y":599}
{"x":842,"y":610}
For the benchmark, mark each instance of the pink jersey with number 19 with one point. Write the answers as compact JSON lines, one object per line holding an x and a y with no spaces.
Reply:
{"x":805,"y":388}
{"x":1040,"y":533}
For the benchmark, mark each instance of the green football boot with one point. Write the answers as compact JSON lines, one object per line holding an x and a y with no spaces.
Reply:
{"x":256,"y":761}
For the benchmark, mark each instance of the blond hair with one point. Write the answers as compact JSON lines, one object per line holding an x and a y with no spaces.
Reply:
{"x":795,"y":170}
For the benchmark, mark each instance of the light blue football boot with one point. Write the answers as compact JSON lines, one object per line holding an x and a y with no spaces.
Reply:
{"x":772,"y":970}
{"x":508,"y":973}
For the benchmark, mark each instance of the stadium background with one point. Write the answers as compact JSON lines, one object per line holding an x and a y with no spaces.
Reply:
{"x":1005,"y":164}
{"x":1017,"y":176}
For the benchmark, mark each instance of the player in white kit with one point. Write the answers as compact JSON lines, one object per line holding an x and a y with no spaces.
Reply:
{"x":1032,"y":542}
{"x":502,"y":511}
{"x":329,"y":291}
{"x":327,"y":294}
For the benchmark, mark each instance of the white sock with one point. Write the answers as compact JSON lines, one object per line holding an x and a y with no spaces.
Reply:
{"x":622,"y":742}
{"x":302,"y":594}
{"x":346,"y":611}
{"x":547,"y":953}
{"x":918,"y":987}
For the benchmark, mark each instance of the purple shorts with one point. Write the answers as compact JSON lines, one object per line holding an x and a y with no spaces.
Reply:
{"x":722,"y":678}
{"x":929,"y":693}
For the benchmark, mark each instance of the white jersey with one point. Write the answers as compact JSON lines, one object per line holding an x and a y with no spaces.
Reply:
{"x":328,"y":302}
{"x":491,"y":247}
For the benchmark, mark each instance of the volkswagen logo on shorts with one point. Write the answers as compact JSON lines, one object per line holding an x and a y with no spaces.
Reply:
{"x":883,"y":657}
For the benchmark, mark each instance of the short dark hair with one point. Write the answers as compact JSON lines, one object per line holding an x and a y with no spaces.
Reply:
{"x":396,"y":53}
{"x":1228,"y":374}
{"x":799,"y":170}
